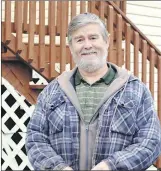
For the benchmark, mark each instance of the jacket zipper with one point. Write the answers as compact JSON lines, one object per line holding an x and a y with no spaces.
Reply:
{"x":98,"y":130}
{"x":87,"y":129}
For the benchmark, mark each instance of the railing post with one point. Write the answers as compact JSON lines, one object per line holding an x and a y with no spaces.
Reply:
{"x":110,"y":29}
{"x":7,"y":30}
{"x":101,"y":10}
{"x":136,"y":53}
{"x":127,"y":46}
{"x":41,"y":59}
{"x":63,"y":18}
{"x":151,"y":80}
{"x":82,"y":6}
{"x":91,"y":6}
{"x":52,"y":46}
{"x":25,"y":14}
{"x":123,"y":6}
{"x":119,"y":39}
{"x":32,"y":18}
{"x":144,"y":60}
{"x":18,"y":18}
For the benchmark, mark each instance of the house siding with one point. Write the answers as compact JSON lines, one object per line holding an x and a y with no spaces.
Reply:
{"x":146,"y":15}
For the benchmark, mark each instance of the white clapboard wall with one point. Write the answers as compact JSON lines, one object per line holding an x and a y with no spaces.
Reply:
{"x":146,"y":15}
{"x":16,"y":111}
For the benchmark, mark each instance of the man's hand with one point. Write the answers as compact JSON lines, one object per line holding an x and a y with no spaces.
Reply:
{"x":101,"y":166}
{"x":68,"y":168}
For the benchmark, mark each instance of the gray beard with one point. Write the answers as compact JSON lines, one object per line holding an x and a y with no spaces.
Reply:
{"x":90,"y":66}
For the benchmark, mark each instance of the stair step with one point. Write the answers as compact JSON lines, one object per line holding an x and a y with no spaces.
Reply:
{"x":10,"y":58}
{"x":37,"y":87}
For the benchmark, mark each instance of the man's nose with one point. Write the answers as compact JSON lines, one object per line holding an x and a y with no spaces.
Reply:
{"x":87,"y":44}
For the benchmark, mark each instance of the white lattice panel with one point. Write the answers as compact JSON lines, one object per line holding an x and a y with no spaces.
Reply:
{"x":16,"y":112}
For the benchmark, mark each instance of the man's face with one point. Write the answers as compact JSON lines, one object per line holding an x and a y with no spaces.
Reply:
{"x":88,"y":48}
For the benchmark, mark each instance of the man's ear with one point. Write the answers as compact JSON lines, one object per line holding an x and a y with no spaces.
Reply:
{"x":70,"y":48}
{"x":108,"y":41}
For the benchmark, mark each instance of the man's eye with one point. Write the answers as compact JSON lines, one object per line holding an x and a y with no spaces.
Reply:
{"x":79,"y":40}
{"x":93,"y":38}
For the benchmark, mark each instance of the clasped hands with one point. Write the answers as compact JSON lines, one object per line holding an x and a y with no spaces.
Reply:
{"x":100,"y":166}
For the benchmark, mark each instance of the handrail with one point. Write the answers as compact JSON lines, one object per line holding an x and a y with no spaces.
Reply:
{"x":133,"y":26}
{"x":121,"y":5}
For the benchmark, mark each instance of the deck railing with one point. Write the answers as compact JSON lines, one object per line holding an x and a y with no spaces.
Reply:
{"x":46,"y":20}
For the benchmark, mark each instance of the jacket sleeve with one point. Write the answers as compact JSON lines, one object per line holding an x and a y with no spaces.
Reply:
{"x":40,"y":153}
{"x":146,"y":145}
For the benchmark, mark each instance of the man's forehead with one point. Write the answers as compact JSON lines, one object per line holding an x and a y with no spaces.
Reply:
{"x":76,"y":36}
{"x":88,"y":29}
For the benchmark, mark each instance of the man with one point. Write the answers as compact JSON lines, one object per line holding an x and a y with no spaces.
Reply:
{"x":95,"y":117}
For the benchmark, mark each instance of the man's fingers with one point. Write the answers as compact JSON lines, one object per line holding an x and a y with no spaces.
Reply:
{"x":95,"y":168}
{"x":68,"y":168}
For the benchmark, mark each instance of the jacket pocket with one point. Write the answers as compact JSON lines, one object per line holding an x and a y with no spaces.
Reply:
{"x":56,"y":120}
{"x":124,"y":118}
{"x":55,"y":114}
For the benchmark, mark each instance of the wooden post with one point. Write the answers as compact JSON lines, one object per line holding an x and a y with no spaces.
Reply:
{"x":101,"y":10}
{"x":119,"y":39}
{"x":82,"y":6}
{"x":41,"y":59}
{"x":136,"y":53}
{"x":144,"y":60}
{"x":63,"y":18}
{"x":25,"y":14}
{"x":7,"y":21}
{"x":110,"y":29}
{"x":52,"y":33}
{"x":32,"y":18}
{"x":18,"y":26}
{"x":127,"y":46}
{"x":151,"y":80}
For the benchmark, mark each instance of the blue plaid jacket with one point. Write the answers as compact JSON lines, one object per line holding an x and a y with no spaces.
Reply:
{"x":130,"y":139}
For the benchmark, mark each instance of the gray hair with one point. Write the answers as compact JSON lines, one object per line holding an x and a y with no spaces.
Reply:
{"x":84,"y":19}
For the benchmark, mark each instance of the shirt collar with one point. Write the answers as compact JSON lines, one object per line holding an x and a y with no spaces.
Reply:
{"x":107,"y":78}
{"x":78,"y":78}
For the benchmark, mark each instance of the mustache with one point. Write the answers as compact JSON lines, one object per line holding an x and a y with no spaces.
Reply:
{"x":84,"y":52}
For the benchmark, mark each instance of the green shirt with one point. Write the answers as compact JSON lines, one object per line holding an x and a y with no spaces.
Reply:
{"x":89,"y":96}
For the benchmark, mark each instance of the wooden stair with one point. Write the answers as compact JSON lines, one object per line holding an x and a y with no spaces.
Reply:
{"x":15,"y":72}
{"x":41,"y":56}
